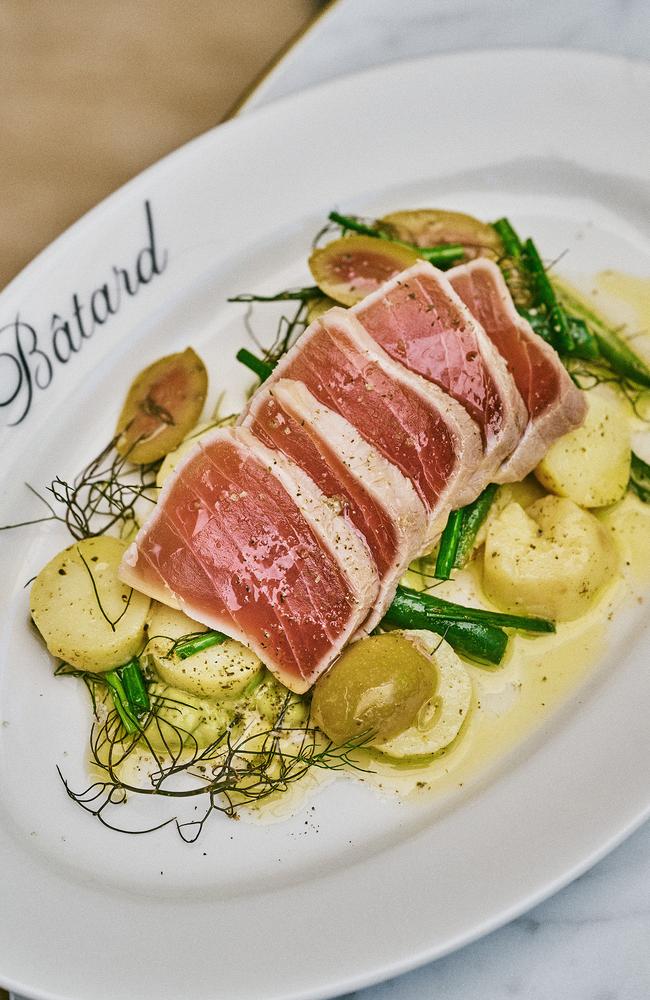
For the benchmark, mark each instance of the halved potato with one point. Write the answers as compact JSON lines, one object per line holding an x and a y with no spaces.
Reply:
{"x":350,"y":268}
{"x":440,"y":719}
{"x":591,"y":465}
{"x":86,"y":615}
{"x":222,"y":671}
{"x":277,"y":705}
{"x":164,"y":403}
{"x":551,"y":559}
{"x":179,"y":719}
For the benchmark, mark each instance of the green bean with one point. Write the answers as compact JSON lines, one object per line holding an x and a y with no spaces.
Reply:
{"x":121,"y":702}
{"x":476,"y":641}
{"x":473,"y":517}
{"x":261,"y":368}
{"x":612,"y":347}
{"x":135,"y":687}
{"x":448,"y":547}
{"x":197,"y":643}
{"x":407,"y":600}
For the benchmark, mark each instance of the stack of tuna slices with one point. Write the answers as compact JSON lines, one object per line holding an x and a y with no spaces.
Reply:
{"x":291,"y":531}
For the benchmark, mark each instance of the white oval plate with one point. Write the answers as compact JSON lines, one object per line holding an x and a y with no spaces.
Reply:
{"x":354,"y":889}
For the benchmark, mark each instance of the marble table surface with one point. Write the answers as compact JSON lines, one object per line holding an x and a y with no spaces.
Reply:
{"x":592,"y":940}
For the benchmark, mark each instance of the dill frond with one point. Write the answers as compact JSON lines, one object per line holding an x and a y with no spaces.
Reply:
{"x":242,"y":767}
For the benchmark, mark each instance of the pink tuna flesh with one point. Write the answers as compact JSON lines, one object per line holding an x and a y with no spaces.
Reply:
{"x":276,"y":428}
{"x":233,"y":549}
{"x":418,"y":323}
{"x":534,"y":369}
{"x":389,"y":414}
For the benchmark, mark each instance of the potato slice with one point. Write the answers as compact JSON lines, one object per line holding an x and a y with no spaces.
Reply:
{"x":74,"y":595}
{"x":440,"y":719}
{"x":591,"y":465}
{"x":551,"y":559}
{"x":222,"y":671}
{"x":350,"y":268}
{"x":162,"y":405}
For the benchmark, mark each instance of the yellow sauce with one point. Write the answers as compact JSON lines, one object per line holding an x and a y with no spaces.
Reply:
{"x":624,"y":299}
{"x":539,"y":673}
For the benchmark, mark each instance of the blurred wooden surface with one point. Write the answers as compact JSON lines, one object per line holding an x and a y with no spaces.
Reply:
{"x":92,"y":91}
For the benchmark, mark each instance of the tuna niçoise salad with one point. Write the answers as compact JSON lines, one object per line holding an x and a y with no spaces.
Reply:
{"x":253,"y":597}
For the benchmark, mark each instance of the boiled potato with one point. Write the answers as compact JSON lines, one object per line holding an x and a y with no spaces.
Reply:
{"x":214,"y":720}
{"x":180,"y":718}
{"x":440,"y":719}
{"x":222,"y":671}
{"x":591,"y":465}
{"x":377,"y":686}
{"x":551,"y":559}
{"x":175,"y":716}
{"x":524,"y":493}
{"x":72,"y":617}
{"x":275,"y":702}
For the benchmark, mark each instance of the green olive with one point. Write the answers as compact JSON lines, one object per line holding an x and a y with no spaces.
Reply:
{"x":354,"y":266}
{"x":427,"y":227}
{"x":376,"y":687}
{"x":162,"y":405}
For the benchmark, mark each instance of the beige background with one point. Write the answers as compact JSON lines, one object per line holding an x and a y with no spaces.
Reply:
{"x":92,"y":91}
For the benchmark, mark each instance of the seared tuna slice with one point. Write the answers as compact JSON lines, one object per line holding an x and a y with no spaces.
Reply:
{"x":370,"y":492}
{"x":419,"y":320}
{"x":243,"y":541}
{"x":415,"y":425}
{"x":555,"y":406}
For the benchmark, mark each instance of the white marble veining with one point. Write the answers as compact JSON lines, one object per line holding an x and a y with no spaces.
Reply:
{"x":591,"y":941}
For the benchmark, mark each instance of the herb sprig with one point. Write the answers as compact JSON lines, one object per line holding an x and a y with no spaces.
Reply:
{"x":101,"y":498}
{"x":241,"y":767}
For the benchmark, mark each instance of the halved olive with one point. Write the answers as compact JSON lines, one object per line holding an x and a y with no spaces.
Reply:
{"x":350,"y":268}
{"x":164,"y":403}
{"x":375,"y":688}
{"x":427,"y":227}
